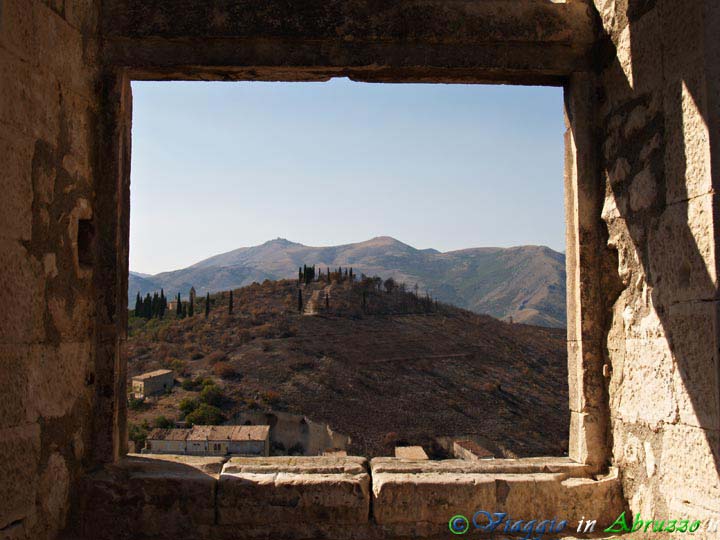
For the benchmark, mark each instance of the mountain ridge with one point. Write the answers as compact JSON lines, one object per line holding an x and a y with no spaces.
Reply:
{"x":525,"y":283}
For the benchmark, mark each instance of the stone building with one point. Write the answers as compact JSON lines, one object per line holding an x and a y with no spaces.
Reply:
{"x":152,"y":383}
{"x":210,"y":441}
{"x":642,"y":172}
{"x":166,"y":441}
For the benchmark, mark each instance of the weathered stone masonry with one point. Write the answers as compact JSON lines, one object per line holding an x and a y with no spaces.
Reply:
{"x":642,"y":87}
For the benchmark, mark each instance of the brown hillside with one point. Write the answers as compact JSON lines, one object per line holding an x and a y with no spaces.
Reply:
{"x":401,"y":370}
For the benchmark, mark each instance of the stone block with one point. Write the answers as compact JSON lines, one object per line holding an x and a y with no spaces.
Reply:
{"x":275,"y":494}
{"x":29,"y":101}
{"x":410,"y":452}
{"x":530,"y":465}
{"x":682,"y":252}
{"x":687,"y":152}
{"x":22,"y":294}
{"x":692,"y":329}
{"x":16,"y":156}
{"x":585,"y":377}
{"x":57,"y":378}
{"x":149,"y":497}
{"x":689,"y":480}
{"x":14,"y":376}
{"x":19,"y":456}
{"x":82,"y":14}
{"x":645,"y":393}
{"x":421,"y":502}
{"x":681,"y":37}
{"x":17,"y":29}
{"x":61,"y":51}
{"x":641,"y":57}
{"x":588,"y":437}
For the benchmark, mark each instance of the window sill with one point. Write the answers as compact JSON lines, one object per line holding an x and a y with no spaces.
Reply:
{"x":178,"y":497}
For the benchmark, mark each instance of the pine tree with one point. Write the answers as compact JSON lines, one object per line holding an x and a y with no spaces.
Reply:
{"x":300,"y":301}
{"x":230,"y":304}
{"x":207,"y":305}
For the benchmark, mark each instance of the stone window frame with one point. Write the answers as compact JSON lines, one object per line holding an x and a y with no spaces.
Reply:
{"x":585,"y":234}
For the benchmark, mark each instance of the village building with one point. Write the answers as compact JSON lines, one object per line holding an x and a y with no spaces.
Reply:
{"x":152,"y":382}
{"x":166,"y":441}
{"x":252,"y":441}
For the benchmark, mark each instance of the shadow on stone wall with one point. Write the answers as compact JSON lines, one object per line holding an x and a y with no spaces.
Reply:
{"x":660,"y":214}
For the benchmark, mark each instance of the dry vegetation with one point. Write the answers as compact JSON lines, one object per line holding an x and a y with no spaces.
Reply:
{"x":401,"y":369}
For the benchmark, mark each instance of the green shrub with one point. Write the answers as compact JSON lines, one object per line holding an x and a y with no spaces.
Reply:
{"x":188,"y":405}
{"x":205,"y":415}
{"x":212,"y":395}
{"x":135,"y":403}
{"x":164,"y":422}
{"x":189,"y":385}
{"x":137,"y":434}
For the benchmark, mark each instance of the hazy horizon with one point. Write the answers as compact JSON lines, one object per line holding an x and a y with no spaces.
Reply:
{"x":219,"y":166}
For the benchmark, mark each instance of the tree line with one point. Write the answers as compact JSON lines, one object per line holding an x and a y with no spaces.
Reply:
{"x":157,"y":306}
{"x":308,"y":274}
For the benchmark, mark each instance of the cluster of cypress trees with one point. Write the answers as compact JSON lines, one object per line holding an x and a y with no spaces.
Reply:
{"x":308,"y":274}
{"x":151,"y":307}
{"x":340,"y":274}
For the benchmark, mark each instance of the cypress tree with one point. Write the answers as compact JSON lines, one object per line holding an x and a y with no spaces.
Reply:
{"x":137,"y":305}
{"x":230,"y":304}
{"x":163,"y":304}
{"x":207,"y":305}
{"x":300,"y":276}
{"x":178,"y":308}
{"x":328,"y":274}
{"x":300,"y":301}
{"x":191,"y":306}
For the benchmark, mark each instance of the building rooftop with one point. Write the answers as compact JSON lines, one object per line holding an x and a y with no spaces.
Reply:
{"x":159,"y":434}
{"x":151,"y":374}
{"x":211,"y":433}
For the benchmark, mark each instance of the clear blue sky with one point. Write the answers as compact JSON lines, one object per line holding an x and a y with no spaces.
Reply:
{"x":217,"y":166}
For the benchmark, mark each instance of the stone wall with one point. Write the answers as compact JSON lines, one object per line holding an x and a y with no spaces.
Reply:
{"x":644,"y":113}
{"x":658,"y":115}
{"x":48,"y":108}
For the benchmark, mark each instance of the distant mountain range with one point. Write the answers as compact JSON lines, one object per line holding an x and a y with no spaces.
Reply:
{"x":526,"y":283}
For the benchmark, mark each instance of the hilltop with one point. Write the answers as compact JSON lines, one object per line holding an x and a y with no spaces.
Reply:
{"x":525,"y":283}
{"x":400,"y":369}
